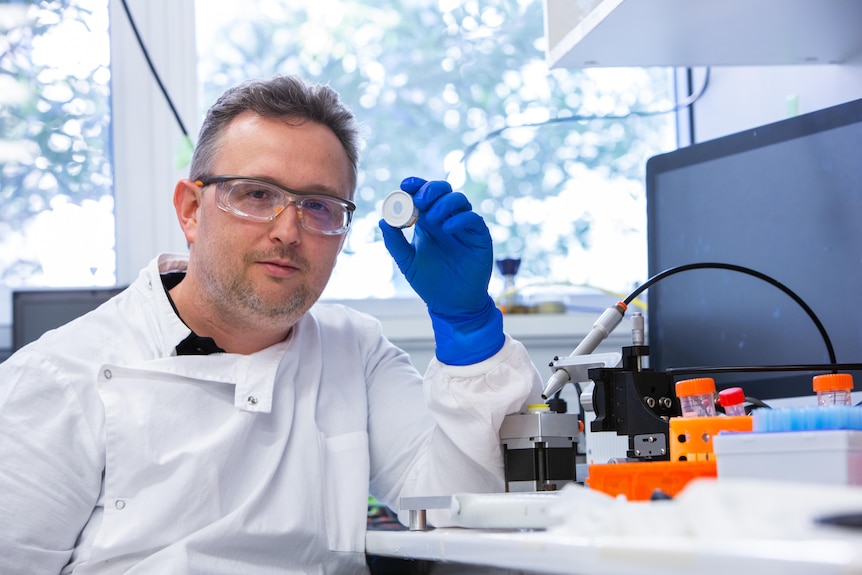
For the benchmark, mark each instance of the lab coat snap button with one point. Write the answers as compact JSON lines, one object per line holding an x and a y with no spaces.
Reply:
{"x":252,"y":400}
{"x":119,"y":504}
{"x":108,"y":374}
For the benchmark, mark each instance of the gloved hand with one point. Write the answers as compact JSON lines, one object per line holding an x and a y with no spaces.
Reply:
{"x":449,"y":264}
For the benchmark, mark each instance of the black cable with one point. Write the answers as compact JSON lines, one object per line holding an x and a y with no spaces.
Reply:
{"x":689,"y":77}
{"x":689,"y":101}
{"x":755,"y":404}
{"x":153,"y":69}
{"x":732,"y":267}
{"x":763,"y":368}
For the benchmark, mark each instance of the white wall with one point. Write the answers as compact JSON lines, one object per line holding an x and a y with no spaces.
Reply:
{"x":743,"y":97}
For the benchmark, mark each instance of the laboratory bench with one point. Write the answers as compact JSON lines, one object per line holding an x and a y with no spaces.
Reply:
{"x":533,"y":552}
{"x":740,"y":526}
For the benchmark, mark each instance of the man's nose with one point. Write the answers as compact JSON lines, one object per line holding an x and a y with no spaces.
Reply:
{"x":286,"y":224}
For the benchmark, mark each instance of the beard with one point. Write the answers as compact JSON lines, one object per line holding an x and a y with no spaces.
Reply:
{"x":230,"y":290}
{"x":294,"y":304}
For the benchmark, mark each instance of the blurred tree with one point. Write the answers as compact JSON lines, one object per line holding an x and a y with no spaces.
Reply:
{"x":436,"y":84}
{"x":440,"y":86}
{"x":54,"y":127}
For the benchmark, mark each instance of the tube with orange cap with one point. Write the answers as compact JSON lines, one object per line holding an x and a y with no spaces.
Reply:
{"x":833,"y":388}
{"x":696,"y":397}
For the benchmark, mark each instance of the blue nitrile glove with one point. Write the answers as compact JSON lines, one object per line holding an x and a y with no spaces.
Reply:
{"x":449,"y":264}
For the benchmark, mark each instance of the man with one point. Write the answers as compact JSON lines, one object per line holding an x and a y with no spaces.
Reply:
{"x":213,"y":418}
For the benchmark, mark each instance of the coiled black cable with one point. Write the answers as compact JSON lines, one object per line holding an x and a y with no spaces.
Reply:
{"x":742,"y":269}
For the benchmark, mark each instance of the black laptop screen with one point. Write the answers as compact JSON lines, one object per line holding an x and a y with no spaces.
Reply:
{"x":783,"y":199}
{"x":35,"y":311}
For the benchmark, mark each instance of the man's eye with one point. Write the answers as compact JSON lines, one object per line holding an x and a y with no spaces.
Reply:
{"x":255,"y":194}
{"x":316,"y":205}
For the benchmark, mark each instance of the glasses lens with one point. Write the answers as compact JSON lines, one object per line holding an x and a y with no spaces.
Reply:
{"x":253,"y":199}
{"x":324,"y":214}
{"x":262,"y":201}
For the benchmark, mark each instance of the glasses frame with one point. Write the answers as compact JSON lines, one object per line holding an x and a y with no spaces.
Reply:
{"x":293,"y":197}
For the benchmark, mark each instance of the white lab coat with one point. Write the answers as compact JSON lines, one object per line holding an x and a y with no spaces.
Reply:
{"x":117,"y":456}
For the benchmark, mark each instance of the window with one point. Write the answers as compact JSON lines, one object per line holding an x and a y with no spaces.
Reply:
{"x":440,"y":88}
{"x":57,"y":208}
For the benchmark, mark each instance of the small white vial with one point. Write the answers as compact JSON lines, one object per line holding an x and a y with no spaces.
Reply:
{"x":399,"y":211}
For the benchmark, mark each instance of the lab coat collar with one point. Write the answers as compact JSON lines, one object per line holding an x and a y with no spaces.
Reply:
{"x":253,"y":375}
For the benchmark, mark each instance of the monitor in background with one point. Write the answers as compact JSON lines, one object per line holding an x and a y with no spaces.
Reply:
{"x":36,"y":311}
{"x":784,"y":199}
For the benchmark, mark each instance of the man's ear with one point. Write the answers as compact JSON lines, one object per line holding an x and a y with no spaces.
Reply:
{"x":187,"y":203}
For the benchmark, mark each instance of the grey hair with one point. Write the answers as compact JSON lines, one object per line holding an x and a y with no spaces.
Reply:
{"x":278,"y":97}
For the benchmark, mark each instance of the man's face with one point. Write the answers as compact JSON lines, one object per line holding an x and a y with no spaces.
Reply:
{"x":272,"y":270}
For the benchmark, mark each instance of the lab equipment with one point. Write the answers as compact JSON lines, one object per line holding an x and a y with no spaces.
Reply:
{"x":506,"y":510}
{"x":399,"y":210}
{"x":600,"y":330}
{"x":696,"y":397}
{"x":833,"y":388}
{"x":418,"y":506}
{"x":809,"y":418}
{"x":540,"y":449}
{"x":747,"y":198}
{"x":635,"y":404}
{"x":632,"y":403}
{"x":691,"y":438}
{"x":832,"y":456}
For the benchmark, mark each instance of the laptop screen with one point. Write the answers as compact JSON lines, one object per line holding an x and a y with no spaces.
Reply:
{"x":35,"y":311}
{"x":785,"y":200}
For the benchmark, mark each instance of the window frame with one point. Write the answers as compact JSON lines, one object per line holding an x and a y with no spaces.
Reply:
{"x":146,"y":138}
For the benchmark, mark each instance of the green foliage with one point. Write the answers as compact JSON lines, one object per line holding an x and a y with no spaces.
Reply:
{"x":441,"y":88}
{"x":431,"y":80}
{"x":54,"y":116}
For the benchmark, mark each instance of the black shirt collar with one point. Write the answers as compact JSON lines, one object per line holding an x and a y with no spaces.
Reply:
{"x":193,"y":344}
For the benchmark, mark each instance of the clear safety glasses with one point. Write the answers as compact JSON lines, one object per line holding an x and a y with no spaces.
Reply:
{"x":262,"y":201}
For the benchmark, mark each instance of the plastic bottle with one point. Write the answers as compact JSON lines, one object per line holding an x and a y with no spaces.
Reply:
{"x":696,"y":397}
{"x":833,"y":388}
{"x":509,"y":301}
{"x":732,"y":400}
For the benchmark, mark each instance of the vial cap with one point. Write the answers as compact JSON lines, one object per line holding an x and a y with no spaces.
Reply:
{"x":731,"y":396}
{"x":398,"y":210}
{"x":696,"y":386}
{"x":832,"y":382}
